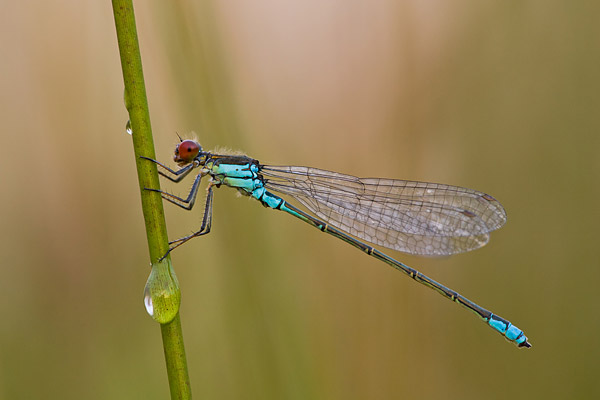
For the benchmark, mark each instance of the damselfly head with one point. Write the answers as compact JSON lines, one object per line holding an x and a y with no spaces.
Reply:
{"x":186,"y":152}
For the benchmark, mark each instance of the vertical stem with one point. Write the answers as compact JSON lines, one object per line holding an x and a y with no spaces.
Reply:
{"x":179,"y":381}
{"x":156,"y":231}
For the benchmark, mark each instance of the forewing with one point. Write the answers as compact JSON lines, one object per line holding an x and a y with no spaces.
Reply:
{"x":413,"y":217}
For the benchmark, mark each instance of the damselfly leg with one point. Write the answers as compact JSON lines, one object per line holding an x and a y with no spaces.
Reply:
{"x":179,"y":174}
{"x":204,"y":227}
{"x":187,"y":203}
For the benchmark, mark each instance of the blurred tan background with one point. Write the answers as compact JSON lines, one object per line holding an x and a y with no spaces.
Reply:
{"x":498,"y":96}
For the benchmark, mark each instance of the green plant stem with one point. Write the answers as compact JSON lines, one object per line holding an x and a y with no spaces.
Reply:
{"x":156,"y":231}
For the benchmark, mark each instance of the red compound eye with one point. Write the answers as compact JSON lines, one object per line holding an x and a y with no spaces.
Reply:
{"x":186,"y":151}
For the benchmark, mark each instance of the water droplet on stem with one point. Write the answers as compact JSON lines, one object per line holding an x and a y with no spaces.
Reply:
{"x":162,"y":296}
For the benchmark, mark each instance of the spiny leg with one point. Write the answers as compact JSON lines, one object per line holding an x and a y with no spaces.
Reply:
{"x":204,"y":228}
{"x":187,"y":203}
{"x":179,"y":174}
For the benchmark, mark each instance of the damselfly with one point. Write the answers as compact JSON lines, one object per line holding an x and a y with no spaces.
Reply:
{"x":420,"y":218}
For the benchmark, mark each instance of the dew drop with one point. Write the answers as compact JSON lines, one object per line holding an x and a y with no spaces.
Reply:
{"x":162,"y":296}
{"x":128,"y":127}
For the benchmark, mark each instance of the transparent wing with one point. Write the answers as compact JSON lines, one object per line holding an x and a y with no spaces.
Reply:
{"x":413,"y":217}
